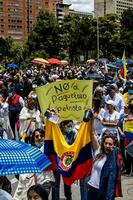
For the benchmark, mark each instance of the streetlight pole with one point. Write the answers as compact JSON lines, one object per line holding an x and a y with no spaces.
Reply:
{"x":94,"y":15}
{"x":97,"y":38}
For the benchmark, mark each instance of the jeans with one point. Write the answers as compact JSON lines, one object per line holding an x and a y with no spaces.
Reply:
{"x":56,"y":188}
{"x":93,"y":194}
{"x":84,"y":188}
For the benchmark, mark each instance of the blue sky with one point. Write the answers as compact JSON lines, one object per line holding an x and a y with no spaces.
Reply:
{"x":81,"y":5}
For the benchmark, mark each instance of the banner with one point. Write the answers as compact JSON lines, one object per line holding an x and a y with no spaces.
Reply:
{"x":70,"y":98}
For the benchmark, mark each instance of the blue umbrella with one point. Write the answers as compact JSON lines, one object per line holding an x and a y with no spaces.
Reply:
{"x":120,"y":63}
{"x":13,"y":66}
{"x":112,"y":66}
{"x":17,"y":157}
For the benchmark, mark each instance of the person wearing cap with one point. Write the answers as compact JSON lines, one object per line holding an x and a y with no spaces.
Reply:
{"x":33,"y":94}
{"x":110,"y":119}
{"x":117,"y":99}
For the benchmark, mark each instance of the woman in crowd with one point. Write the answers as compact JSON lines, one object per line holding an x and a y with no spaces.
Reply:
{"x":98,"y":113}
{"x":37,"y":192}
{"x":104,"y":183}
{"x":45,"y":178}
{"x":4,"y":119}
{"x":110,"y":119}
{"x":30,"y":117}
{"x":70,"y":134}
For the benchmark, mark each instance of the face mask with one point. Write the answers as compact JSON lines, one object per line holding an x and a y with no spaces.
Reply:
{"x":31,"y":107}
{"x":39,"y":145}
{"x":68,"y":130}
{"x":10,"y":94}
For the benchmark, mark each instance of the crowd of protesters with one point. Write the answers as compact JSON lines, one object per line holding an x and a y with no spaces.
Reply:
{"x":112,"y":106}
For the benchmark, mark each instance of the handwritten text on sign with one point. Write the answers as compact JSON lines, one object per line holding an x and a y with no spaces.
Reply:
{"x":70,"y":98}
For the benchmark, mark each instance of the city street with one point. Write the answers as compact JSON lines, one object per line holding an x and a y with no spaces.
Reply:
{"x":127,"y":186}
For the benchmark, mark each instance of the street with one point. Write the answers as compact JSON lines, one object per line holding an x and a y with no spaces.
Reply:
{"x":127,"y":187}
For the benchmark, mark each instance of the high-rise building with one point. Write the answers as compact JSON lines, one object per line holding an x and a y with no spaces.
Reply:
{"x":103,"y":7}
{"x":18,"y":16}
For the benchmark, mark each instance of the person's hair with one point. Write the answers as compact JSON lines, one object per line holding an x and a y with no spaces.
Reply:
{"x":32,"y":136}
{"x":102,"y":149}
{"x":105,"y":136}
{"x":39,"y":190}
{"x":31,"y":101}
{"x":63,"y":123}
{"x":97,"y":102}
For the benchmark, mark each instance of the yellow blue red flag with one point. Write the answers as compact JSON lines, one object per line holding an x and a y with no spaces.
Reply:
{"x":124,"y":64}
{"x":128,"y":128}
{"x":72,"y":161}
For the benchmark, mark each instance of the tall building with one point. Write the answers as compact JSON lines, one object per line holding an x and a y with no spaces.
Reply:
{"x":62,"y":9}
{"x":18,"y":16}
{"x":103,"y":7}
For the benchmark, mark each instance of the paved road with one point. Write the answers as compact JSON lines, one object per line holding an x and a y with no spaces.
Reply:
{"x":127,"y":188}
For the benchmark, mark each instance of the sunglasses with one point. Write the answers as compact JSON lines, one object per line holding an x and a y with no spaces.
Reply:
{"x":37,"y":136}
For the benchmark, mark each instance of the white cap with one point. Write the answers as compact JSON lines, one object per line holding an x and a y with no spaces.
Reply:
{"x":34,"y":86}
{"x":110,"y":102}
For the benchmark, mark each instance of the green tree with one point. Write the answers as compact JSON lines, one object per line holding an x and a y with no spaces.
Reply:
{"x":109,"y":34}
{"x":71,"y":37}
{"x":87,"y":35}
{"x":5,"y":45}
{"x":127,"y":31}
{"x":45,"y":35}
{"x":18,"y":52}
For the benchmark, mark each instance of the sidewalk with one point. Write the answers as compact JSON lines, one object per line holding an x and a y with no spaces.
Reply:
{"x":127,"y":189}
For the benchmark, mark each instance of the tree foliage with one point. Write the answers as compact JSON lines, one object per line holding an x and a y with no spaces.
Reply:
{"x":77,"y":36}
{"x":45,"y":34}
{"x":5,"y":45}
{"x":127,"y":31}
{"x":109,"y":34}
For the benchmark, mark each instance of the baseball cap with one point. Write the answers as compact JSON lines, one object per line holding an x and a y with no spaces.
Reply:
{"x":110,"y":102}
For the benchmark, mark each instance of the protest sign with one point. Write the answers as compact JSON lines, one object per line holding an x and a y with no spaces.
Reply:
{"x":70,"y":98}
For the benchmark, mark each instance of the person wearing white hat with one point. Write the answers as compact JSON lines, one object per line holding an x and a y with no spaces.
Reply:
{"x":110,"y":119}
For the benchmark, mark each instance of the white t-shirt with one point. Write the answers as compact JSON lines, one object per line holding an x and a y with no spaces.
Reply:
{"x":98,"y":124}
{"x":96,"y":172}
{"x":111,"y":117}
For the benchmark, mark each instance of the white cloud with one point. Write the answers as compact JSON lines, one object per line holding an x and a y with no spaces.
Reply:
{"x":81,"y":5}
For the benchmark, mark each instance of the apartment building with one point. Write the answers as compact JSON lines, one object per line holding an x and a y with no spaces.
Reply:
{"x":62,"y":9}
{"x":18,"y":16}
{"x":103,"y":7}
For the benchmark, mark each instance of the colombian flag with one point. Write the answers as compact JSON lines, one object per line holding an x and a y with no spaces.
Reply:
{"x":124,"y":64}
{"x":128,"y":128}
{"x":72,"y":161}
